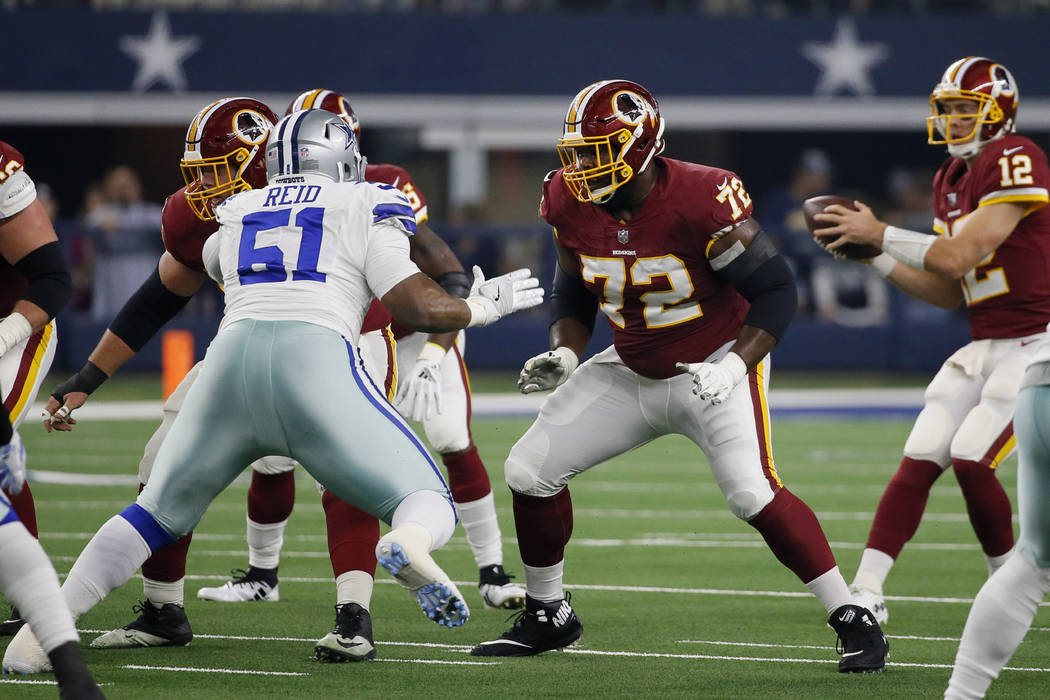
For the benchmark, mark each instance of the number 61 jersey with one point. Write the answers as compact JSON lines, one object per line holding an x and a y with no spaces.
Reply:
{"x":1008,"y":293}
{"x":305,"y":248}
{"x":651,"y":274}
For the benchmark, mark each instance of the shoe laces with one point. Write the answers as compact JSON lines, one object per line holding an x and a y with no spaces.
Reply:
{"x":239,"y":576}
{"x":146,"y":609}
{"x":495,"y":575}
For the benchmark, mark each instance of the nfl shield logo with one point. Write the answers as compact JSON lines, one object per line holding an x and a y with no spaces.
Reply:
{"x":622,"y":235}
{"x":951,"y":199}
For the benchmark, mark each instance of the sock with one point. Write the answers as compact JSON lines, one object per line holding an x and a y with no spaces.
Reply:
{"x":30,"y":583}
{"x":354,"y":587}
{"x":1000,"y":617}
{"x":161,"y":593}
{"x":468,"y":480}
{"x":168,"y":564}
{"x":70,"y":668}
{"x":830,"y":589}
{"x":108,"y":561}
{"x":352,"y":537}
{"x":431,"y":511}
{"x":482,"y":529}
{"x":25,"y":508}
{"x":794,"y":535}
{"x":264,"y":544}
{"x":544,"y":526}
{"x":544,"y":583}
{"x":901,"y":506}
{"x":988,"y":506}
{"x":271,"y":497}
{"x":874,"y":568}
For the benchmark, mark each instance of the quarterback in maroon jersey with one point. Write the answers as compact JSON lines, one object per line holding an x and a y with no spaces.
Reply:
{"x":432,"y":387}
{"x":696,"y":295}
{"x":992,"y":252}
{"x":34,"y":286}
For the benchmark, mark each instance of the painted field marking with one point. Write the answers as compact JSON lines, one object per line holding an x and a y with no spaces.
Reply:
{"x":199,"y":669}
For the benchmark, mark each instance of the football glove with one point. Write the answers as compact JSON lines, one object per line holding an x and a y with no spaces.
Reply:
{"x":491,"y":300}
{"x":13,"y":465}
{"x":714,"y":381}
{"x":547,"y":370}
{"x":419,"y":396}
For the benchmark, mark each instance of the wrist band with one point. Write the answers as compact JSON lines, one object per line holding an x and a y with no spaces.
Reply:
{"x":909,"y":247}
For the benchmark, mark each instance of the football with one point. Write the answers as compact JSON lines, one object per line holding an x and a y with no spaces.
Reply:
{"x":814,"y":206}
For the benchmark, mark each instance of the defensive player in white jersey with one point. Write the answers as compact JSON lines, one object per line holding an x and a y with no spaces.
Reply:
{"x":28,"y":245}
{"x":300,"y":262}
{"x":1007,"y":603}
{"x":993,"y":254}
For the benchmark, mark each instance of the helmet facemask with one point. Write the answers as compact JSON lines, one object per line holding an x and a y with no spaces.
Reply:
{"x":985,"y":113}
{"x":216,"y":178}
{"x":594,"y":165}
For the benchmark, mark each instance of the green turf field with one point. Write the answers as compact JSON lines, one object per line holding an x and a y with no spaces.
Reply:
{"x":677,"y":597}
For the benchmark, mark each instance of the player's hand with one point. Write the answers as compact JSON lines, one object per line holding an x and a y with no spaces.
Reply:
{"x":714,"y":381}
{"x":419,"y":396}
{"x":547,"y":370}
{"x":56,"y":413}
{"x":491,"y":300}
{"x":13,"y":465}
{"x":851,"y":226}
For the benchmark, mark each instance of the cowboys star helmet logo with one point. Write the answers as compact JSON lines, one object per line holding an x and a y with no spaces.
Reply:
{"x":345,"y":128}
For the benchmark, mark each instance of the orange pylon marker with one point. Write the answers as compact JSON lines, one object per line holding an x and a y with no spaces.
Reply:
{"x":176,"y":359}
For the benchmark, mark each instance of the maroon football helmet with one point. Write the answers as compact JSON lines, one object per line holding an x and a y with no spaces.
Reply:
{"x":330,"y":101}
{"x":225,"y":152}
{"x":613,"y":128}
{"x":992,"y":90}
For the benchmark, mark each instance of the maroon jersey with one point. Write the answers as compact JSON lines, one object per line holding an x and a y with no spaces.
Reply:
{"x":377,"y":315}
{"x":13,"y":284}
{"x":651,"y":274}
{"x":183,"y":233}
{"x":1007,"y":293}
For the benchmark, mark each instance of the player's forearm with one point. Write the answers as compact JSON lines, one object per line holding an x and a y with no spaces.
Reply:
{"x":926,"y":286}
{"x":570,"y":333}
{"x":432,"y":254}
{"x":752,"y":344}
{"x":110,"y":353}
{"x":418,"y":302}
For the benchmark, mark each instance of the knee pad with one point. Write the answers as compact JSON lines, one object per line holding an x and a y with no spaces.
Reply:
{"x":749,"y":500}
{"x":980,"y":432}
{"x":932,"y":434}
{"x":274,"y":465}
{"x":447,"y":431}
{"x":522,"y":468}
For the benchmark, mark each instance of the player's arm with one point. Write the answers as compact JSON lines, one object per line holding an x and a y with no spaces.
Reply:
{"x":573,"y":309}
{"x":435,"y":258}
{"x":746,"y":258}
{"x":28,"y":242}
{"x":156,"y":302}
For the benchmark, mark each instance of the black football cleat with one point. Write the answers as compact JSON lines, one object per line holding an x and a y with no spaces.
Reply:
{"x":351,"y":640}
{"x":13,"y":623}
{"x":538,"y":628}
{"x":861,"y":643}
{"x":166,"y":626}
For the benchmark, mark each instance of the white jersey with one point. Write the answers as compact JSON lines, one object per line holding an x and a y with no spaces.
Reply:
{"x":305,"y":248}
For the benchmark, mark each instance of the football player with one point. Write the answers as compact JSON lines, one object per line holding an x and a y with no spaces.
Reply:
{"x":435,"y":390}
{"x":1007,"y":603}
{"x":992,"y":252}
{"x":287,"y":336}
{"x":35,"y":285}
{"x":696,"y":296}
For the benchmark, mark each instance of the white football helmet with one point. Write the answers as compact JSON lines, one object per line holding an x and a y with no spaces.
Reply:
{"x":314,"y":141}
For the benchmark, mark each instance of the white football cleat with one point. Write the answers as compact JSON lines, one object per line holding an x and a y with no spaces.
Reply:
{"x":25,"y":655}
{"x":498,"y":591}
{"x":243,"y":588}
{"x":874,"y":602}
{"x":403,"y":553}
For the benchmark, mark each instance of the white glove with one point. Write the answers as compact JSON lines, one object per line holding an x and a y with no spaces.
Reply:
{"x":493,"y":299}
{"x":714,"y":381}
{"x":13,"y":465}
{"x":419,"y":396}
{"x":547,"y":370}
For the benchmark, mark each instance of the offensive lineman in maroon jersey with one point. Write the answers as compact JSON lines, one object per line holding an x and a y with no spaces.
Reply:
{"x":431,"y":368}
{"x":34,"y":285}
{"x":993,"y":252}
{"x":696,"y":296}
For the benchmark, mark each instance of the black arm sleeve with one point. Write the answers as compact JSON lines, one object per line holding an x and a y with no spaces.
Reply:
{"x":146,"y":312}
{"x":763,"y":277}
{"x":570,"y":299}
{"x":456,"y":283}
{"x":7,"y":433}
{"x":50,"y":284}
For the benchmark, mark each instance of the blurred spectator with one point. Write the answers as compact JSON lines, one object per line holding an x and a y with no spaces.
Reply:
{"x":849,"y":295}
{"x":780,"y":212}
{"x":911,"y":191}
{"x":123,"y":240}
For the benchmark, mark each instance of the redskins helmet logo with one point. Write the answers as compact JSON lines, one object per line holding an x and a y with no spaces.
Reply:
{"x":632,"y":108}
{"x":251,"y":127}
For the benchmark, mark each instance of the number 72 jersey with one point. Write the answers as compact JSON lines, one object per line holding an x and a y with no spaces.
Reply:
{"x":1008,"y":293}
{"x":308,"y":249}
{"x":651,"y":274}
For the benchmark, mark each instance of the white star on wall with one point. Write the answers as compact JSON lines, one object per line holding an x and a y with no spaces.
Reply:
{"x":159,"y":55}
{"x":845,"y":63}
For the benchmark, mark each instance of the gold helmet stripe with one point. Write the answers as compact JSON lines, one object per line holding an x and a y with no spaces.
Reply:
{"x":194,"y":130}
{"x":579,"y":104}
